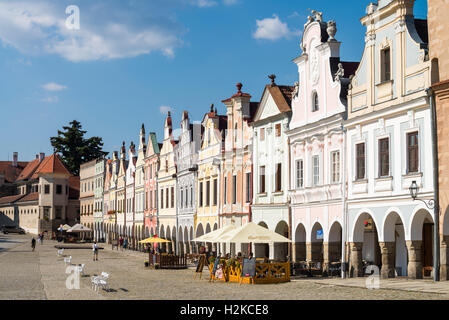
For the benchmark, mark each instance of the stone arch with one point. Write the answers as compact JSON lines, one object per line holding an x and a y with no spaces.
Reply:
{"x":420,"y":245}
{"x":316,"y":243}
{"x":215,"y":226}
{"x":395,"y":254}
{"x":334,"y":244}
{"x":420,"y":216}
{"x":180,"y":239}
{"x":262,"y":250}
{"x":281,"y":249}
{"x":300,"y":243}
{"x":208,"y":228}
{"x":199,"y":230}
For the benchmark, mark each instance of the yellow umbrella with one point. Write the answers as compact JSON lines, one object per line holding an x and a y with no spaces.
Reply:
{"x":154,"y":240}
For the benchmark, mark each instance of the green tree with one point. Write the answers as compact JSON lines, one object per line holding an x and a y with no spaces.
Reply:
{"x":74,"y":148}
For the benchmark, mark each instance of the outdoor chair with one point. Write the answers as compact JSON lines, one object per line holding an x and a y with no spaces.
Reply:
{"x":68,"y":260}
{"x":104,"y":281}
{"x":95,"y":282}
{"x":60,"y":252}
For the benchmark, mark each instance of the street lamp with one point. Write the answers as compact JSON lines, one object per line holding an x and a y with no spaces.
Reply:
{"x":430,"y":204}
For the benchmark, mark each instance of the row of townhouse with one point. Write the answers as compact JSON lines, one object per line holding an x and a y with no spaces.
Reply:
{"x":328,"y":162}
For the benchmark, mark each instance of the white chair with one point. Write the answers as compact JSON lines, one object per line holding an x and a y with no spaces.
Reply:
{"x":60,"y":252}
{"x":104,"y":281}
{"x":68,"y":260}
{"x":95,"y":282}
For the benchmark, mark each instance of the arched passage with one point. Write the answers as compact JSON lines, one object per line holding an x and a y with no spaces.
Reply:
{"x":420,"y":246}
{"x":199,"y":233}
{"x":365,"y":249}
{"x":394,"y":248}
{"x":163,"y":246}
{"x":315,"y":253}
{"x":300,"y":243}
{"x":181,"y":241}
{"x":333,"y":250}
{"x":281,"y":249}
{"x":262,"y":250}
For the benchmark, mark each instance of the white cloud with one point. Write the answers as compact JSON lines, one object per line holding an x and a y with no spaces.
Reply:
{"x":109,"y":29}
{"x":165,"y":109}
{"x":203,"y":3}
{"x":273,"y":29}
{"x":53,"y":87}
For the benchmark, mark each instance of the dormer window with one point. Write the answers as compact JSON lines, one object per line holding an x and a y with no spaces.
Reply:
{"x":315,"y":102}
{"x":385,"y":56}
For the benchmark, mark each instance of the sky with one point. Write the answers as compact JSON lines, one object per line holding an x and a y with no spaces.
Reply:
{"x":131,"y":61}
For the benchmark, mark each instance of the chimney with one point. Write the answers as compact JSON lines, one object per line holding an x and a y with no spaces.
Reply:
{"x":41,"y":156}
{"x":15,"y":158}
{"x":37,"y":156}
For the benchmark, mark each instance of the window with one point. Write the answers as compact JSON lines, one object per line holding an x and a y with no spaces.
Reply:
{"x":151,"y":171}
{"x":248,"y":187}
{"x":385,"y":65}
{"x":315,"y":102}
{"x":151,"y":200}
{"x":262,"y":134}
{"x":335,"y":158}
{"x":162,"y":198}
{"x":360,"y":161}
{"x":235,"y":133}
{"x":412,"y":152}
{"x":215,"y":192}
{"x":278,"y":130}
{"x":262,"y":179}
{"x":234,"y":189}
{"x":316,"y":170}
{"x":191,"y":197}
{"x":278,"y":174}
{"x":166,"y":165}
{"x":182,"y":198}
{"x":201,"y":194}
{"x":47,"y":189}
{"x":58,"y":189}
{"x":172,"y":197}
{"x":207,"y":193}
{"x":384,"y":157}
{"x":225,"y":190}
{"x":299,"y":173}
{"x":187,"y":196}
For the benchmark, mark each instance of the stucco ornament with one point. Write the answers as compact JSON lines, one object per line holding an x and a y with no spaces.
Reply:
{"x":314,"y":65}
{"x":318,"y":15}
{"x":296,"y":89}
{"x":340,"y":73}
{"x":310,"y":19}
{"x":331,"y":30}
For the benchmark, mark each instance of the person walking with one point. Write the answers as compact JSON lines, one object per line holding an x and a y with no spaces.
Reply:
{"x":121,"y":243}
{"x":42,"y":238}
{"x":39,"y":238}
{"x":95,"y":250}
{"x":33,"y":243}
{"x":125,"y":243}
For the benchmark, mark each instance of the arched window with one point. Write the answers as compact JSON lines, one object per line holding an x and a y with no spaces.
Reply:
{"x":315,"y":102}
{"x":235,"y":132}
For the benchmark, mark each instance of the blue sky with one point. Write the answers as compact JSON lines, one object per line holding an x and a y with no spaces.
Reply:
{"x":132,"y":60}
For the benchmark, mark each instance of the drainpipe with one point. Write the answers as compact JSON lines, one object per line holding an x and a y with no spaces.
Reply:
{"x":436,"y":212}
{"x":290,"y":227}
{"x":345,"y":215}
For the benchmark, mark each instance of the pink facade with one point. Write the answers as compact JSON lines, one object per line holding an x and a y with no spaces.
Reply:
{"x":151,"y":168}
{"x":316,"y":146}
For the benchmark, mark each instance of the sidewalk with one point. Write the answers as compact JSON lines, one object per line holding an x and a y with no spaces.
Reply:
{"x":403,"y":284}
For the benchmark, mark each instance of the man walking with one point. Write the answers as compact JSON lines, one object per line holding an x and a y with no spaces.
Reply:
{"x":33,"y":243}
{"x":42,"y":238}
{"x":95,"y":250}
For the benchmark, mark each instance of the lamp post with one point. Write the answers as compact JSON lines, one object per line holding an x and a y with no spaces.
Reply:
{"x":431,"y":204}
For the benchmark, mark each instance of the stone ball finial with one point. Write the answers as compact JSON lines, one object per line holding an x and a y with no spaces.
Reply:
{"x":239,"y":87}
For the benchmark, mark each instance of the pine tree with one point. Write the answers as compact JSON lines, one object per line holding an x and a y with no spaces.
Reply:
{"x":74,"y":149}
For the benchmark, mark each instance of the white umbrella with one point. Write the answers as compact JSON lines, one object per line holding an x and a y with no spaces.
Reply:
{"x":79,"y":228}
{"x":251,"y":232}
{"x":211,"y":236}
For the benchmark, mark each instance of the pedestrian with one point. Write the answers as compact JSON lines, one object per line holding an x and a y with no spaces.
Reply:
{"x":125,"y":243}
{"x":95,"y":250}
{"x":121,"y":243}
{"x":33,"y":243}
{"x":42,"y":238}
{"x":39,"y":238}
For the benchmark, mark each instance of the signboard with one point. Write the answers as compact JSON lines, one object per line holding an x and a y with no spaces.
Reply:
{"x":217,"y":260}
{"x":319,"y":234}
{"x":201,"y":263}
{"x":249,"y":268}
{"x":368,"y":223}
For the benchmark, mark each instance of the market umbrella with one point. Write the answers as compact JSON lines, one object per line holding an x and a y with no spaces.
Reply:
{"x":251,"y":232}
{"x":211,"y":236}
{"x":154,"y":240}
{"x":79,"y":228}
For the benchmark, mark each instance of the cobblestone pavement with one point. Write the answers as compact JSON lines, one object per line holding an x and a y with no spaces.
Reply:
{"x":41,"y":275}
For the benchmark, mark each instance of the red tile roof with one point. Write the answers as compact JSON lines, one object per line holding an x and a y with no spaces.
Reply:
{"x":30,"y":197}
{"x":29,"y":170}
{"x":11,"y":173}
{"x":10,"y":199}
{"x":52,"y":164}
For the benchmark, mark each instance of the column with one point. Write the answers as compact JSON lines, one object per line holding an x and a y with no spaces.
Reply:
{"x":309,"y":256}
{"x":271,"y":250}
{"x":387,"y":250}
{"x":293,"y":252}
{"x":355,"y":264}
{"x":444,"y":257}
{"x":414,"y":268}
{"x":326,"y":257}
